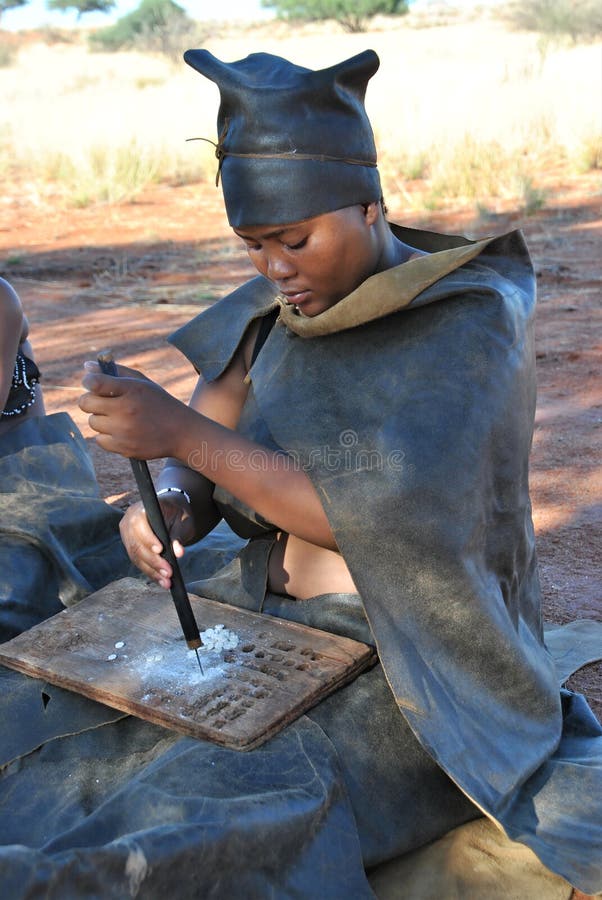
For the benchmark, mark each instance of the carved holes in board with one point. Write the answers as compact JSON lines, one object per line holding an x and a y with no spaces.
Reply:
{"x":287,"y":646}
{"x":219,"y":708}
{"x":246,"y":685}
{"x":307,"y":651}
{"x":274,"y":660}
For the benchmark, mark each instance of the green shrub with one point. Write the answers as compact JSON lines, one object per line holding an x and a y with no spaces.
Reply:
{"x":160,"y":26}
{"x":533,"y":197}
{"x":577,"y":19}
{"x":6,"y":150}
{"x":104,"y":175}
{"x":398,"y":167}
{"x":148,"y":81}
{"x":472,"y":169}
{"x":81,"y":7}
{"x":467,"y":171}
{"x":50,"y":35}
{"x":184,"y":169}
{"x":8,"y":54}
{"x":57,"y":167}
{"x":589,"y":155}
{"x":352,"y":15}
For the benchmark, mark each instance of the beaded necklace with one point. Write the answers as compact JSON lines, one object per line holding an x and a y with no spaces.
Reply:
{"x":22,"y":383}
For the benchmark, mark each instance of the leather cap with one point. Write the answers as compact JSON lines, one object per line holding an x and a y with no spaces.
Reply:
{"x":293,"y":142}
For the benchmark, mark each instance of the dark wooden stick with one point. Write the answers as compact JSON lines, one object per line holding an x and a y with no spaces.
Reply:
{"x":150,"y":501}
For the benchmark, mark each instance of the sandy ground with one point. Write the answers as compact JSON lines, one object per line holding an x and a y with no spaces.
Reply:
{"x":126,"y":276}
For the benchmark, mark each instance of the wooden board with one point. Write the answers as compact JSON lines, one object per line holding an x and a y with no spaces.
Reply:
{"x":123,"y":646}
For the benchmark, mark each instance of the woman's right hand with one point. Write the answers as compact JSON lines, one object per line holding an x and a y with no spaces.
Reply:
{"x":144,"y":548}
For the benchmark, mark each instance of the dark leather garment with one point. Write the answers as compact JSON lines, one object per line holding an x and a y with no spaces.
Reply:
{"x":415,"y":428}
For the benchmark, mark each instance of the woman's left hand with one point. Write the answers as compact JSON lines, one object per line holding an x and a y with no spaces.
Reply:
{"x":132,"y":415}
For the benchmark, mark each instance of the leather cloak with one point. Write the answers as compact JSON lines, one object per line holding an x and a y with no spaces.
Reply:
{"x":58,"y":539}
{"x":410,"y":405}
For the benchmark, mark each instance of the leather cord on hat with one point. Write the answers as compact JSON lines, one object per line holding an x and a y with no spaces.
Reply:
{"x":290,"y":154}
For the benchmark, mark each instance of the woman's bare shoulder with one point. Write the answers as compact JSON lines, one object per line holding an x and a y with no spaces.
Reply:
{"x":223,"y":399}
{"x":11,"y":311}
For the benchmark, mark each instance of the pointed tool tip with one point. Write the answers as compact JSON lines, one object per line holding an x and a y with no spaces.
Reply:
{"x":198,"y":659}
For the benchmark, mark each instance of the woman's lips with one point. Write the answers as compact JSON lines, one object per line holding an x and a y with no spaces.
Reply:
{"x":298,"y":298}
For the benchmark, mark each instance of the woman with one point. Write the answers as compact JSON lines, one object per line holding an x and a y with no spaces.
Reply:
{"x":58,"y":540}
{"x":364,"y":415}
{"x":20,"y":394}
{"x":313,"y":264}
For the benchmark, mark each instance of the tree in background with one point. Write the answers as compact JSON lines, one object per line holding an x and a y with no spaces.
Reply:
{"x":81,"y":6}
{"x":156,"y":25}
{"x":10,"y":4}
{"x":352,"y":15}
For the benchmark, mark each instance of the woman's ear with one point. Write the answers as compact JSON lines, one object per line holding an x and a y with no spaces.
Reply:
{"x":371,"y":212}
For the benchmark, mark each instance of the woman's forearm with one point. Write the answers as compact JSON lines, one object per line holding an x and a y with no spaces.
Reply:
{"x":137,"y":418}
{"x":269,"y":482}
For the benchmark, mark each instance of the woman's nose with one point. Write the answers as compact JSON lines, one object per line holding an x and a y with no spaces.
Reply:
{"x":279,"y":267}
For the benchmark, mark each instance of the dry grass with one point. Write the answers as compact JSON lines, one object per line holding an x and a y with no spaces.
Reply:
{"x":466,"y":111}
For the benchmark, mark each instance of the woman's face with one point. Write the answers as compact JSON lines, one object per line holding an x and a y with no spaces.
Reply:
{"x":317,"y":262}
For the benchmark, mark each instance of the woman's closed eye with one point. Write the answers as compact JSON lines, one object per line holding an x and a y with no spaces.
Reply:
{"x":298,"y":245}
{"x":257,"y":246}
